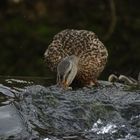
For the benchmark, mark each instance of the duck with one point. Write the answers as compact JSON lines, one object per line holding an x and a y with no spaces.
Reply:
{"x":124,"y":79}
{"x":76,"y":55}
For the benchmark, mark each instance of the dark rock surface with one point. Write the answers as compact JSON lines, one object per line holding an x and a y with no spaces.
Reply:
{"x":110,"y":112}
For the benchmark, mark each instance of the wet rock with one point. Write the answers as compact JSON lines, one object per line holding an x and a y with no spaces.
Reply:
{"x":106,"y":112}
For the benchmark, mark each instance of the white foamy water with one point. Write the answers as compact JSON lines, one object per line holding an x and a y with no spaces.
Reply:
{"x":99,"y":129}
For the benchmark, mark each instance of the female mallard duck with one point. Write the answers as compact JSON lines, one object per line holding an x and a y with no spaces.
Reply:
{"x":76,"y":55}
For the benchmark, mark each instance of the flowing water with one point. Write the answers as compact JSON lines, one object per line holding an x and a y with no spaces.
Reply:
{"x":35,"y":109}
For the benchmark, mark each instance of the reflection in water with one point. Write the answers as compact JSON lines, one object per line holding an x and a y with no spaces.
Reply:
{"x":50,"y":113}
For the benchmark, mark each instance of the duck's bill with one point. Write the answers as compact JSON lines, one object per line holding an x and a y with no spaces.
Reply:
{"x":63,"y":84}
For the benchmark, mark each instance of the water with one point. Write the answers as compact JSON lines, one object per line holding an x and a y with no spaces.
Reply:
{"x":35,"y":108}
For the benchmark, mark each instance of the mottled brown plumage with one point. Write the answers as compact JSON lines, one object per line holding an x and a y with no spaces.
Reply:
{"x":83,"y":44}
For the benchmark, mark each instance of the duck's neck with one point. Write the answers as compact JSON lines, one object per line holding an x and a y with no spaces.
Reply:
{"x":74,"y":59}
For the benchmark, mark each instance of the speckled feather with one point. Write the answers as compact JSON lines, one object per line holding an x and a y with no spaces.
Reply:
{"x":83,"y":44}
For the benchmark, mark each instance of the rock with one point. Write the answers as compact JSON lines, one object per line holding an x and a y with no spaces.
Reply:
{"x":104,"y":112}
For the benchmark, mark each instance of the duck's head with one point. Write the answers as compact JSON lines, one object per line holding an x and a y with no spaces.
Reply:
{"x":67,"y":70}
